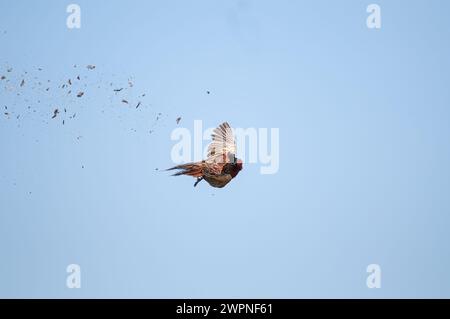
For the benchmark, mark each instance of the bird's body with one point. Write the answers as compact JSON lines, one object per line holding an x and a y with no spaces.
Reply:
{"x":221,"y":165}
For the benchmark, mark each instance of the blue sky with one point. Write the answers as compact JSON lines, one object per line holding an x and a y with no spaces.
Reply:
{"x":363,"y":116}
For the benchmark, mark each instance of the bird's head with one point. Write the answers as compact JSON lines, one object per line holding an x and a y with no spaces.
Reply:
{"x":239,"y":164}
{"x":237,"y":167}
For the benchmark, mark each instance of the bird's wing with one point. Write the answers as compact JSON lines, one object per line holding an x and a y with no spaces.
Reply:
{"x":223,"y":146}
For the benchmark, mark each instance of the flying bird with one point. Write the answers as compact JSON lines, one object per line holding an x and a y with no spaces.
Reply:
{"x":221,"y":164}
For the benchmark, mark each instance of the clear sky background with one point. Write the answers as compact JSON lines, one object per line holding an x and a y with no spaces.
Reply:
{"x":364,"y":149}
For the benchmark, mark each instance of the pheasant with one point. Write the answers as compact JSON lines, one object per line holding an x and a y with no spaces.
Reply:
{"x":221,"y":164}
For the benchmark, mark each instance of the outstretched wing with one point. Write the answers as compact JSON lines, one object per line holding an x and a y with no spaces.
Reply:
{"x":223,"y":146}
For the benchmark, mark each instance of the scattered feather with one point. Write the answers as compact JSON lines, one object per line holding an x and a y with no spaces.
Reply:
{"x":55,"y":113}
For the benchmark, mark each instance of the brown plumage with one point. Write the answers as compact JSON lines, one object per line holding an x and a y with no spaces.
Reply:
{"x":221,"y":165}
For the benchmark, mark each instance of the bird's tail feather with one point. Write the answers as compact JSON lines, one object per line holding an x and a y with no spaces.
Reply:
{"x":190,"y":169}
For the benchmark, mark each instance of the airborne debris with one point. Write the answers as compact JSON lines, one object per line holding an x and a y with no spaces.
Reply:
{"x":67,"y":87}
{"x":178,"y":120}
{"x":208,"y":92}
{"x":55,"y":113}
